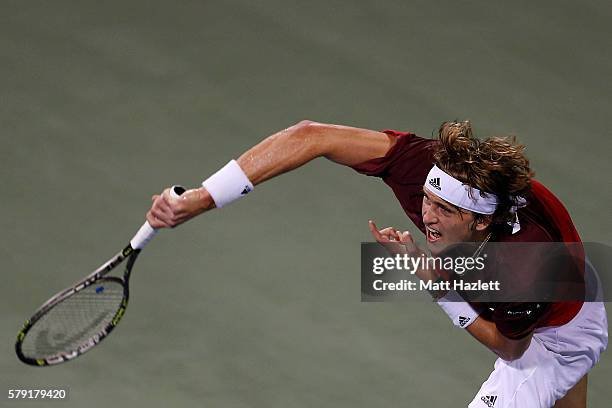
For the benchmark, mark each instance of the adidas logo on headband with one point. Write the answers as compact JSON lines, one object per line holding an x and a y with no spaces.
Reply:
{"x":435,"y":182}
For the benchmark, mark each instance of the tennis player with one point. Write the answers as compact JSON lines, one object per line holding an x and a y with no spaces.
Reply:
{"x":545,"y":349}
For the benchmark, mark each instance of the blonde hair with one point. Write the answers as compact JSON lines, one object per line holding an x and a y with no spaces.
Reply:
{"x":495,"y":165}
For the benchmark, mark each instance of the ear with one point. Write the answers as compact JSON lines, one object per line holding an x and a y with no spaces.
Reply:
{"x":482,"y":222}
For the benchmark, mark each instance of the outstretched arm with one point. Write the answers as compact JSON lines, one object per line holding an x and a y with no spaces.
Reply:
{"x":279,"y":153}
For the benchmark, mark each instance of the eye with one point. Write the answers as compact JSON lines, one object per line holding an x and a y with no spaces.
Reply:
{"x":445,"y":211}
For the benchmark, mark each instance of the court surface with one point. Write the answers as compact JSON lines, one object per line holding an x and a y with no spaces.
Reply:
{"x":258,"y":305}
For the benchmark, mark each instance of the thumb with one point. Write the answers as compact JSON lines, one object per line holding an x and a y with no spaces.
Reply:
{"x":408,"y":242}
{"x":405,"y":237}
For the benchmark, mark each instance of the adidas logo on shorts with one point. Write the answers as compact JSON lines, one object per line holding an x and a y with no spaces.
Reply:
{"x":246,"y":190}
{"x":435,"y":183}
{"x":489,"y":400}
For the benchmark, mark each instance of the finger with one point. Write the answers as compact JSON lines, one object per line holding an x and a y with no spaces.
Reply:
{"x":156,"y":222}
{"x":406,"y":237}
{"x":166,"y":197}
{"x":151,"y":220}
{"x":175,"y":205}
{"x":158,"y":205}
{"x":374,"y":230}
{"x":410,"y":245}
{"x":389,"y":232}
{"x":160,"y":210}
{"x":380,"y":237}
{"x":163,"y":202}
{"x":163,"y":212}
{"x":408,"y":242}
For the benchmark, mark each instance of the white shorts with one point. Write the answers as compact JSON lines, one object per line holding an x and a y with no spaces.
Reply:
{"x":556,"y":359}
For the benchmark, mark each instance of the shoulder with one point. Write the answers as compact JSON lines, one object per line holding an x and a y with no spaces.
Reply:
{"x":408,"y":155}
{"x":409,"y":140}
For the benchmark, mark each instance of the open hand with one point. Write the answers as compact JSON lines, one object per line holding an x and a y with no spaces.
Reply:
{"x":395,"y":241}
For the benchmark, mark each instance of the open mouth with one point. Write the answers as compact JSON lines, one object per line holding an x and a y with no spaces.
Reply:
{"x":432,"y":234}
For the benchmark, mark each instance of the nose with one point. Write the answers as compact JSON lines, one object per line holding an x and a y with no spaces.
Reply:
{"x":429,"y":216}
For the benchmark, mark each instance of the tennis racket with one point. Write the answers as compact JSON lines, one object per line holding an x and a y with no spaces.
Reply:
{"x":81,"y":316}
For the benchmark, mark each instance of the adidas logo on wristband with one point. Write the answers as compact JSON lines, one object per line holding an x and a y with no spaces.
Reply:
{"x":463,"y":321}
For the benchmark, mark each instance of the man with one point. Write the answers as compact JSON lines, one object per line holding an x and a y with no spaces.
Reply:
{"x":545,"y":350}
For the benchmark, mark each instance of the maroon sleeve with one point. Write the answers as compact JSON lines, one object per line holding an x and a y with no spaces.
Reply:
{"x":404,"y":169}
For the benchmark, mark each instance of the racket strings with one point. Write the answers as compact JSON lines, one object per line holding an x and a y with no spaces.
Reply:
{"x":74,"y":321}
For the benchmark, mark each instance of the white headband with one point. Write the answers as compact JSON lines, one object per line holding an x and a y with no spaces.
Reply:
{"x":455,"y":192}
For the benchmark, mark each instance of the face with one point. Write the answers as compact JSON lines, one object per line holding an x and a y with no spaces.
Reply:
{"x":445,"y":224}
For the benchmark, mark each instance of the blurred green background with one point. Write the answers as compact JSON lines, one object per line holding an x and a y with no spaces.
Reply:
{"x":258,"y":305}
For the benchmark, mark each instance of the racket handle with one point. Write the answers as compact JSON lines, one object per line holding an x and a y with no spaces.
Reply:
{"x":147,"y":232}
{"x":176,"y":191}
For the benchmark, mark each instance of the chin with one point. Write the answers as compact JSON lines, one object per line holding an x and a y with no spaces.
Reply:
{"x":435,"y":247}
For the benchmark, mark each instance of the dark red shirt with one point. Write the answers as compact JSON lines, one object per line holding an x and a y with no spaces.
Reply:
{"x":544,"y":219}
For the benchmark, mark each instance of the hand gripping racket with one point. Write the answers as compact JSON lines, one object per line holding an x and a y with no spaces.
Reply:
{"x":81,"y":316}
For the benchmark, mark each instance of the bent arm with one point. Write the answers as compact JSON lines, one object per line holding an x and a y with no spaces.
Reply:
{"x":487,"y":333}
{"x":278,"y":154}
{"x":307,"y":140}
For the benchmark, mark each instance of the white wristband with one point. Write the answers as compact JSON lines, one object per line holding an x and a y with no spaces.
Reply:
{"x":228,"y":184}
{"x":459,"y":311}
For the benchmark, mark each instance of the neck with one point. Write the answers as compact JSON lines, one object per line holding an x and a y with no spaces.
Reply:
{"x":480,"y":236}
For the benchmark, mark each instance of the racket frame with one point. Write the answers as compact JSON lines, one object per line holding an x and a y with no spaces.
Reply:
{"x":130,"y":252}
{"x":98,"y":275}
